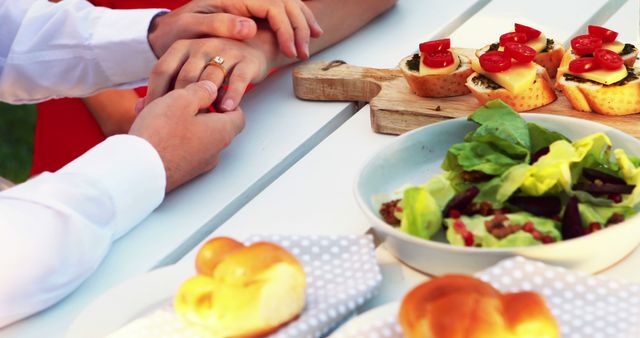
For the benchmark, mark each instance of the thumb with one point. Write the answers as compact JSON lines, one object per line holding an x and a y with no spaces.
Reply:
{"x":204,"y":92}
{"x":223,"y":25}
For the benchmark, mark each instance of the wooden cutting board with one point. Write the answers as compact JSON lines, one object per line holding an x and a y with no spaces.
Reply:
{"x":394,"y":107}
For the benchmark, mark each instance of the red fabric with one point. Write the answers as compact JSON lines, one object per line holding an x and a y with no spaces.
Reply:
{"x":65,"y":129}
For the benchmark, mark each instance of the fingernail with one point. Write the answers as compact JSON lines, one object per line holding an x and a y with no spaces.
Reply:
{"x":242,"y":27}
{"x":211,"y":87}
{"x":227,"y":104}
{"x":293,"y":48}
{"x":306,"y":48}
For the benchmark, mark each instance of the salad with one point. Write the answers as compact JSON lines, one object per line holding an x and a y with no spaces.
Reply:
{"x":511,"y":183}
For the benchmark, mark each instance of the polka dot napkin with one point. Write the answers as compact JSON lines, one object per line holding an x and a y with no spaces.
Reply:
{"x":342,"y":273}
{"x":584,"y":305}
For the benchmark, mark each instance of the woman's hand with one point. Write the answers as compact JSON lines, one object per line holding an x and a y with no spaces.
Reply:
{"x":187,"y":61}
{"x":291,"y":20}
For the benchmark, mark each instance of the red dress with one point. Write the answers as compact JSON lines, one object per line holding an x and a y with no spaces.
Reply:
{"x":65,"y":128}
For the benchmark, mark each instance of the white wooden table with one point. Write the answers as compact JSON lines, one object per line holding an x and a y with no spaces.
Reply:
{"x":293,"y":167}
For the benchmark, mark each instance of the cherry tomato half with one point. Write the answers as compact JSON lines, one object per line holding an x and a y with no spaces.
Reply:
{"x":585,"y":44}
{"x":521,"y":52}
{"x":608,"y":59}
{"x":606,"y":35}
{"x":513,"y":37}
{"x":495,"y":61}
{"x":531,"y":33}
{"x":438,"y":59}
{"x":435,"y":46}
{"x":582,"y":65}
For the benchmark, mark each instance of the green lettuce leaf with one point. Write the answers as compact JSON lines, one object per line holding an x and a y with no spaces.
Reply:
{"x":500,"y":188}
{"x":440,"y":188}
{"x":542,"y":137}
{"x":497,"y":118}
{"x":421,"y":215}
{"x":601,"y":214}
{"x":552,"y":172}
{"x":477,"y":156}
{"x":476,"y":225}
{"x":631,"y":174}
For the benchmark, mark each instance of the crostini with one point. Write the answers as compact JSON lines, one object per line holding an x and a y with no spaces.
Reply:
{"x":548,"y":52}
{"x":597,"y":74}
{"x":436,"y":71}
{"x":512,"y":76}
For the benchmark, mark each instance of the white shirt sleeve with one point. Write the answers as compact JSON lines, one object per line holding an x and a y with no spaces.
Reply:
{"x":56,"y":228}
{"x":70,"y":49}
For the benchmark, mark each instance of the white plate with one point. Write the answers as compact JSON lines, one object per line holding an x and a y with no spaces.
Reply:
{"x":132,"y":299}
{"x":583,"y":305}
{"x":416,"y":156}
{"x":342,"y":273}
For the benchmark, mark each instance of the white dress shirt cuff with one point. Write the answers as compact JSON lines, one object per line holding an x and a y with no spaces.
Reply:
{"x":131,"y":171}
{"x":126,"y":57}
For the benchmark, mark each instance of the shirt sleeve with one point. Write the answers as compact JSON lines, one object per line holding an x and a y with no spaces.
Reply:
{"x":56,"y":228}
{"x":70,"y":49}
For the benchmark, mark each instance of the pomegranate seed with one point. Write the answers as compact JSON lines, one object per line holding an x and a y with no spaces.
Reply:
{"x":616,"y":198}
{"x":528,"y":226}
{"x":595,"y":226}
{"x":468,"y":238}
{"x":454,"y":213}
{"x":459,"y":226}
{"x":546,"y":239}
{"x":536,"y":235}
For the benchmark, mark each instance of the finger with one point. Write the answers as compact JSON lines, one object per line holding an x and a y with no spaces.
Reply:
{"x":215,"y":74}
{"x":300,"y":28}
{"x":190,"y":71}
{"x":222,"y":25}
{"x":316,"y":30}
{"x":165,"y":70}
{"x":139,"y":105}
{"x":280,"y":24}
{"x":202,"y":94}
{"x":227,"y":125}
{"x":239,"y":78}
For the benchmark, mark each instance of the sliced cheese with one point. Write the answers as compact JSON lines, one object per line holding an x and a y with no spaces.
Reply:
{"x":426,"y":70}
{"x":538,"y":43}
{"x":615,"y":46}
{"x":603,"y":76}
{"x":516,"y":79}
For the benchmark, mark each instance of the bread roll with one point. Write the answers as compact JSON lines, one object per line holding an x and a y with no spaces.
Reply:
{"x":443,"y":85}
{"x":550,"y":60}
{"x":462,"y":306}
{"x":252,"y":292}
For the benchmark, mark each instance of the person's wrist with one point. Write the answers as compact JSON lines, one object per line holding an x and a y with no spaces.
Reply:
{"x":153,"y":36}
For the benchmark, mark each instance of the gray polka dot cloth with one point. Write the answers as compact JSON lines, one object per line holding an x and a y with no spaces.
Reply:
{"x":584,"y":305}
{"x":342,"y":273}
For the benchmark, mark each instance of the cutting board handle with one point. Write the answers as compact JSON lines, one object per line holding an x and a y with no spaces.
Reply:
{"x":338,"y":81}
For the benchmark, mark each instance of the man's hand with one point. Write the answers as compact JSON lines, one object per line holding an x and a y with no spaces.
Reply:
{"x":292,"y":21}
{"x":189,"y":143}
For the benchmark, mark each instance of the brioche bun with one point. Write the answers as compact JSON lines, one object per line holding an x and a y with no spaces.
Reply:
{"x":539,"y":94}
{"x":443,"y":85}
{"x":462,"y":306}
{"x":549,"y":60}
{"x":251,"y":292}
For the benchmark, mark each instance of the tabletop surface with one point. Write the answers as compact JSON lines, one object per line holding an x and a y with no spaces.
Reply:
{"x":293,"y":167}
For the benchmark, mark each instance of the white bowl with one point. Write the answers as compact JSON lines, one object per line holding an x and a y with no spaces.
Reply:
{"x":416,"y":156}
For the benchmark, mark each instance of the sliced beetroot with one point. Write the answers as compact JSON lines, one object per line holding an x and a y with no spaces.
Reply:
{"x":545,"y":206}
{"x":461,"y":201}
{"x":605,"y":188}
{"x":536,"y":156}
{"x":593,"y":175}
{"x":571,"y":221}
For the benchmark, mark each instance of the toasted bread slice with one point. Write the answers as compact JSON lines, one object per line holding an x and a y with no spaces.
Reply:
{"x":444,"y":85}
{"x":621,"y":98}
{"x":550,"y":59}
{"x":539,"y":94}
